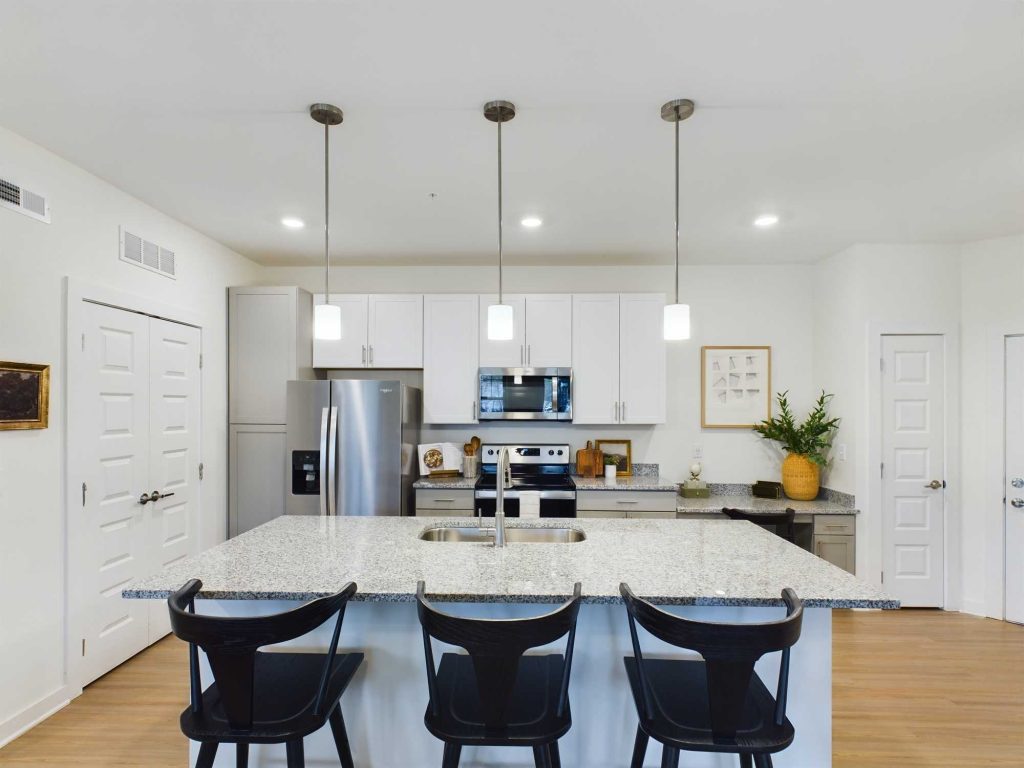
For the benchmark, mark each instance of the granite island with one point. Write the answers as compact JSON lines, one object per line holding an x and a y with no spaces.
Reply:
{"x":719,"y":570}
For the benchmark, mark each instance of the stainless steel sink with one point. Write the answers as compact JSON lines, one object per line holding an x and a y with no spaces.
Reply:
{"x":512,"y":535}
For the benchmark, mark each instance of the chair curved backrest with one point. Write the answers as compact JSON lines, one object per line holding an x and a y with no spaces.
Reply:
{"x":782,"y":523}
{"x":231,"y":643}
{"x":496,"y":646}
{"x":729,"y":651}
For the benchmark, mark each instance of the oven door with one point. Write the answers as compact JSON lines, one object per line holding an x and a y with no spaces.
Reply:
{"x":552,"y":503}
{"x":533,"y":394}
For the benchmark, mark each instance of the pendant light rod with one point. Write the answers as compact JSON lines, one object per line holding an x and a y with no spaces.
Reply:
{"x":675,"y":112}
{"x":500,"y":112}
{"x":327,"y":115}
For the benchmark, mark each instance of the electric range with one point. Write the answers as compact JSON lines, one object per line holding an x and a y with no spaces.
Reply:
{"x":535,"y":467}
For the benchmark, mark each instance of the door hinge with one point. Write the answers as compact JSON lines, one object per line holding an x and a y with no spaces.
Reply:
{"x":83,"y":342}
{"x":200,"y":361}
{"x":84,"y":488}
{"x":881,"y":469}
{"x":201,"y":468}
{"x":83,"y":646}
{"x":881,"y":363}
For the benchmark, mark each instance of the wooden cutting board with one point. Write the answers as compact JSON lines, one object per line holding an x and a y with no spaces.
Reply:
{"x":589,"y":461}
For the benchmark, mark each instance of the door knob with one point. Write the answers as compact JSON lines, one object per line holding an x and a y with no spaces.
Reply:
{"x":156,"y":496}
{"x":1017,"y":482}
{"x":935,"y":485}
{"x":1018,"y":503}
{"x":145,"y":499}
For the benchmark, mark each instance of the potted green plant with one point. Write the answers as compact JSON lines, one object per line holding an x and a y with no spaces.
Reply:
{"x":806,"y":444}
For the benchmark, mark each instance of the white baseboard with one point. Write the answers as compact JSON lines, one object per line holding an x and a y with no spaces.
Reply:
{"x":973,"y":607}
{"x":30,"y":717}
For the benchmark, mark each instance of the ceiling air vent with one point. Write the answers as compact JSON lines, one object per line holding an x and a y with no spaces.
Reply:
{"x":22,"y":200}
{"x":146,"y":254}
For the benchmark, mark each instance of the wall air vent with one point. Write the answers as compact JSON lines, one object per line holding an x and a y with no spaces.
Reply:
{"x":146,"y":254}
{"x":17,"y":198}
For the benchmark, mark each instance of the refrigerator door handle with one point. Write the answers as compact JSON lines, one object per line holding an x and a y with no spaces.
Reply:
{"x":323,"y":462}
{"x":332,"y":464}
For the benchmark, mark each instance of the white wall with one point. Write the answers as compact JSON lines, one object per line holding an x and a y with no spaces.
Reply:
{"x":863,"y":290}
{"x":81,"y":241}
{"x":729,"y":305}
{"x":992,"y":280}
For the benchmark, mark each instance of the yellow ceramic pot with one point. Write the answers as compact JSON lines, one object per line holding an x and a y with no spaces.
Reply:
{"x":800,"y":477}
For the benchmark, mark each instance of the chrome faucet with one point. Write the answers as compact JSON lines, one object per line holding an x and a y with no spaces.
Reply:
{"x":503,"y":481}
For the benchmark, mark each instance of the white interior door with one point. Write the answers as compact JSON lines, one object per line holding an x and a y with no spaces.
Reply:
{"x":174,"y":419}
{"x":109,"y":421}
{"x":913,"y":455}
{"x":1014,"y":478}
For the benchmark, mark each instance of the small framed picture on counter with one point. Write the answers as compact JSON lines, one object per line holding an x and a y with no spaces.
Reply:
{"x":735,"y":386}
{"x":621,"y":451}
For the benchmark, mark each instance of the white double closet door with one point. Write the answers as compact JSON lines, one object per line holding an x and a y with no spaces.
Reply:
{"x":1013,"y":491}
{"x":134,"y":425}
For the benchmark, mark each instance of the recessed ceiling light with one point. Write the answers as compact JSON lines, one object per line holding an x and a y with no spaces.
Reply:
{"x":766,"y":220}
{"x":531,"y":222}
{"x":293,"y":223}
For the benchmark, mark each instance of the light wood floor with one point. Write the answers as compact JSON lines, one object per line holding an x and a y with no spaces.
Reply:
{"x":911,"y":689}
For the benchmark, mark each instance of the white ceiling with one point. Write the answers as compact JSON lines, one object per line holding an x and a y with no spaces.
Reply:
{"x":854,"y":120}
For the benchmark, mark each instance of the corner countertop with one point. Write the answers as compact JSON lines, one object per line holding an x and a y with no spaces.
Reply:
{"x":672,"y":562}
{"x":754,"y":505}
{"x":445,"y":483}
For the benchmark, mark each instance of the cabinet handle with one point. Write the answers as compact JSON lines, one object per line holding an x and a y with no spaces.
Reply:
{"x":616,"y":410}
{"x":623,"y":410}
{"x":626,"y":501}
{"x":522,"y":355}
{"x":447,"y":501}
{"x":529,"y":355}
{"x":371,"y":354}
{"x":364,"y":354}
{"x":474,"y":410}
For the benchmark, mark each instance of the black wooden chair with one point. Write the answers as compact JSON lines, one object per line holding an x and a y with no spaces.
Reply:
{"x":496,"y":695}
{"x":714,"y":704}
{"x":779,"y":523}
{"x":263,"y":698}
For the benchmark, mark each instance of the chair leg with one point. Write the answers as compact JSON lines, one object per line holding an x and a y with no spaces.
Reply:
{"x":554,"y":758}
{"x":763,"y":761}
{"x":241,"y":755}
{"x":746,"y":761}
{"x":639,"y":748}
{"x":669,"y":757}
{"x":296,"y":755}
{"x":341,"y":738}
{"x":452,"y":753}
{"x":541,"y":757}
{"x":207,"y":753}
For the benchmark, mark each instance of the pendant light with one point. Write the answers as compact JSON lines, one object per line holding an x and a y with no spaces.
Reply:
{"x":327,"y":316}
{"x":677,"y":316}
{"x":500,"y":323}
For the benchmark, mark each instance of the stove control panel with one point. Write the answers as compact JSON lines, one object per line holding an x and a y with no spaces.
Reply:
{"x":528,"y":454}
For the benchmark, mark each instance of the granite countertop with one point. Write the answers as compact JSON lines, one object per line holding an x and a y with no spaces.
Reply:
{"x":753,"y":504}
{"x":445,"y":483}
{"x":632,"y":483}
{"x":672,"y":562}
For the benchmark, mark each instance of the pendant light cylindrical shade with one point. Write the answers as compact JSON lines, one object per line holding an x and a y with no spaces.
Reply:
{"x":327,"y":316}
{"x":677,"y":316}
{"x":500,"y":319}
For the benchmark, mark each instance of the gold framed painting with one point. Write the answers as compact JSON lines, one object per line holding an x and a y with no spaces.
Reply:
{"x":735,"y":386}
{"x":621,"y":451}
{"x":24,"y":396}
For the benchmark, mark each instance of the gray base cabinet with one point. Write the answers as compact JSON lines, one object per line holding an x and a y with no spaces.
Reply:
{"x":835,"y":540}
{"x":256,"y":475}
{"x":441,"y":502}
{"x":637,"y":505}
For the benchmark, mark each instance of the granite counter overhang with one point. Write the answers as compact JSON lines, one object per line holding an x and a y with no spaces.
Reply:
{"x":671,"y":562}
{"x":633,"y":483}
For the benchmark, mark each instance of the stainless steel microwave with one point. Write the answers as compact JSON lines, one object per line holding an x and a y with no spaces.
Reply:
{"x":524,"y":394}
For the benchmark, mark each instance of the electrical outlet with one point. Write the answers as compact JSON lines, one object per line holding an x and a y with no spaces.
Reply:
{"x":698,"y":451}
{"x":841,"y":452}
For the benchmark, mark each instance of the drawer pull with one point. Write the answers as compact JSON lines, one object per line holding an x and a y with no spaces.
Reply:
{"x":626,"y":501}
{"x":840,"y":525}
{"x":448,"y":501}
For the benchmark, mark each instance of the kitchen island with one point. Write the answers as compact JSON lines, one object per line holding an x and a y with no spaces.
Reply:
{"x":717,"y":570}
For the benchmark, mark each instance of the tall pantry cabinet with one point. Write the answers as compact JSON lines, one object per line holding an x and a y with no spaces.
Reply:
{"x":269,"y":343}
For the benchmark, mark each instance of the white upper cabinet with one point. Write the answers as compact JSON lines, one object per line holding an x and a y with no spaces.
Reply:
{"x":350,"y":350}
{"x":549,"y":330}
{"x":504,"y":354}
{"x":269,"y":332}
{"x":542,"y":332}
{"x":395,"y":331}
{"x":377,"y":331}
{"x":451,"y":344}
{"x":642,"y":384}
{"x":595,"y":370}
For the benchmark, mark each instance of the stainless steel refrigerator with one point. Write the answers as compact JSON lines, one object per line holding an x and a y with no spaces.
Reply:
{"x":351,"y":447}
